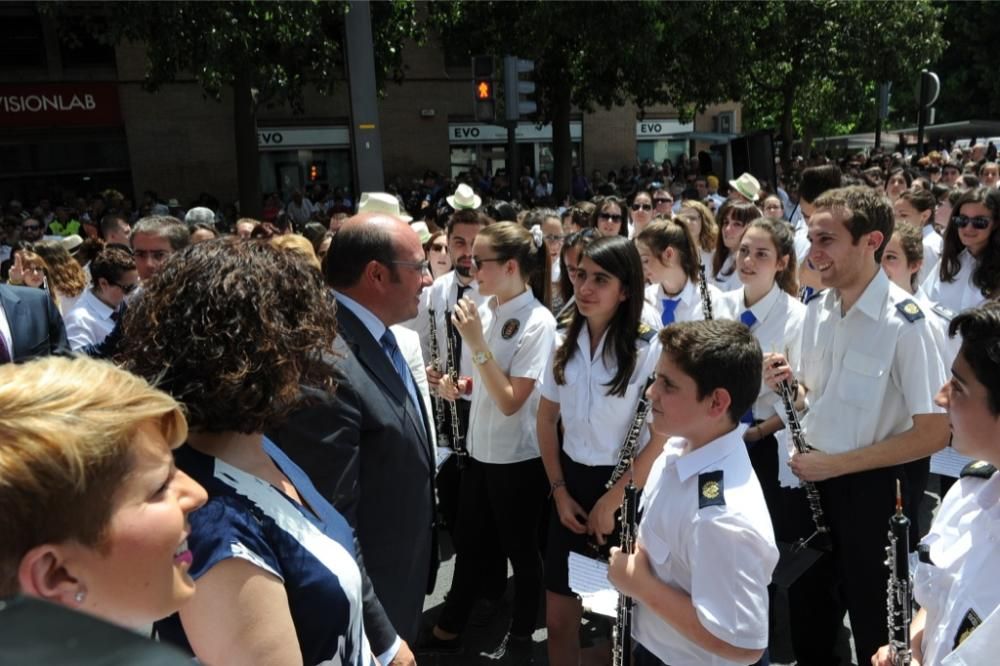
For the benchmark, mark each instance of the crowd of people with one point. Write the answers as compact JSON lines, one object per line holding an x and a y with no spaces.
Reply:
{"x":254,"y":433}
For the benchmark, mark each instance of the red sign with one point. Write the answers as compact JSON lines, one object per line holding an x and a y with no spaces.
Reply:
{"x":60,"y":105}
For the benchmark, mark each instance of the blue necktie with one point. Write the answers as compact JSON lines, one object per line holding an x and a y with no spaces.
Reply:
{"x":402,"y":369}
{"x":748,"y":318}
{"x":669,"y":308}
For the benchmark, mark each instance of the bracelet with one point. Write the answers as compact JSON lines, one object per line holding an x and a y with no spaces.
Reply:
{"x":556,"y":485}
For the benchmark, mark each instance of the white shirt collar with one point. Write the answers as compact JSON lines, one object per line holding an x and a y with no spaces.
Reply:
{"x":761,"y":308}
{"x":97,"y":306}
{"x":872,"y":300}
{"x":686,"y":296}
{"x":693,"y":462}
{"x":513,"y":305}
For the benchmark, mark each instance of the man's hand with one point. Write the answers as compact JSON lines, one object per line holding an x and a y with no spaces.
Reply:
{"x":404,"y":656}
{"x":815,"y":466}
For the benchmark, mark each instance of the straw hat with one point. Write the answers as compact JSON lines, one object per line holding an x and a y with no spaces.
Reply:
{"x":383,"y":203}
{"x":422,"y":231}
{"x":746,"y":185}
{"x":464,"y":197}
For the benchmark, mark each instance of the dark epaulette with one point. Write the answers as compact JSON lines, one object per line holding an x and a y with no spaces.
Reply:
{"x":910,"y":310}
{"x":710,"y":490}
{"x":978,"y":468}
{"x":646,"y":332}
{"x":809,"y":298}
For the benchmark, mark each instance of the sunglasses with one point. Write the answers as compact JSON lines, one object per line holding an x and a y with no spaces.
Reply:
{"x":660,"y":201}
{"x":980,"y":223}
{"x":31,"y":227}
{"x":126,"y":288}
{"x":638,"y":207}
{"x":609,"y":216}
{"x":479,"y":262}
{"x":439,"y":247}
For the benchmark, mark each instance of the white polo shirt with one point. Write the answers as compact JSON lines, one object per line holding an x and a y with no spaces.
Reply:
{"x":89,"y":322}
{"x":441,"y":297}
{"x":521,"y":335}
{"x":869,"y":371}
{"x":722,"y":553}
{"x":959,"y":294}
{"x":690,"y":307}
{"x":778,"y":329}
{"x":595,"y":424}
{"x":959,"y":588}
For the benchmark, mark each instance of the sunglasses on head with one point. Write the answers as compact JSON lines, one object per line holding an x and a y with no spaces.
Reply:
{"x":609,"y":216}
{"x":962,"y":221}
{"x":638,"y":207}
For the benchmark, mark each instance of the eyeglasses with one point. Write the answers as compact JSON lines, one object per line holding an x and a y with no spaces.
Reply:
{"x":126,"y":288}
{"x":31,"y":227}
{"x":32,"y":269}
{"x":423,"y":266}
{"x":659,"y":201}
{"x":479,"y":262}
{"x":962,"y":221}
{"x":554,"y":238}
{"x":638,"y":207}
{"x":609,"y":216}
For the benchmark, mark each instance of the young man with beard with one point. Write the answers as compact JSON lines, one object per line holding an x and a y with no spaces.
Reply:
{"x":868,"y":371}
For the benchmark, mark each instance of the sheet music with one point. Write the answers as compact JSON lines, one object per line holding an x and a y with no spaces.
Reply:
{"x":948,"y":462}
{"x":589,"y":578}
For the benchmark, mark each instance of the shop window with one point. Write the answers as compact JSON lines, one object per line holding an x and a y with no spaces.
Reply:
{"x":22,"y":43}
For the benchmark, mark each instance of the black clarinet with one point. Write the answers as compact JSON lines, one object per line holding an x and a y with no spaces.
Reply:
{"x":900,"y":589}
{"x":821,"y":534}
{"x":442,"y":438}
{"x":706,"y":297}
{"x":456,"y":431}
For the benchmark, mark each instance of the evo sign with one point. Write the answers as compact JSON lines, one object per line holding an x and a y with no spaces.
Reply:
{"x":59,"y":105}
{"x":296,"y":138}
{"x":525,"y":133}
{"x":655,"y":129}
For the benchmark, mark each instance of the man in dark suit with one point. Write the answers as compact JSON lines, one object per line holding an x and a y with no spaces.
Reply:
{"x":30,"y":325}
{"x":368,"y":449}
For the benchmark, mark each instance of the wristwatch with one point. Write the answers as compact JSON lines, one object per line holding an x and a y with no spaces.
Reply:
{"x":479,"y":358}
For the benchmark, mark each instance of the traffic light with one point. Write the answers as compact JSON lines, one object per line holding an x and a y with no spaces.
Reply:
{"x":516,"y":90}
{"x":484,"y":100}
{"x":313,"y":172}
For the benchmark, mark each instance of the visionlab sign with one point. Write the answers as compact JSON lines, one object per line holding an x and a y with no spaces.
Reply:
{"x":60,"y":105}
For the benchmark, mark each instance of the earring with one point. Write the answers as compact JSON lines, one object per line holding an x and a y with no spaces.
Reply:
{"x":80,"y":596}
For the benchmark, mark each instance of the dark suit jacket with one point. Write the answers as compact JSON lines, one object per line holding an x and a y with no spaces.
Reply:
{"x":368,"y":451}
{"x":36,"y":327}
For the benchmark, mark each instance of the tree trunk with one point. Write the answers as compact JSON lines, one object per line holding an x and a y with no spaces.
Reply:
{"x":245,"y":135}
{"x":562,"y":142}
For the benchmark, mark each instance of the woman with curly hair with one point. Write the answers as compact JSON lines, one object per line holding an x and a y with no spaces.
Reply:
{"x":697,"y":217}
{"x":234,"y":329}
{"x":66,"y":278}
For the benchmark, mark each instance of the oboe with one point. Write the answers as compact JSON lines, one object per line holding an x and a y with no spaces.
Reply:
{"x":627,"y":451}
{"x":442,"y":438}
{"x":456,"y":431}
{"x":822,"y":533}
{"x":706,"y":297}
{"x":898,"y":597}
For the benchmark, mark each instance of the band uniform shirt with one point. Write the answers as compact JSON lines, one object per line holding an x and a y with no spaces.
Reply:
{"x":89,"y":322}
{"x":778,"y":329}
{"x":521,"y":335}
{"x":722,"y":555}
{"x":933,"y":245}
{"x":441,"y":298}
{"x":595,"y":423}
{"x":958,"y":294}
{"x":958,"y":586}
{"x":869,"y":371}
{"x":728,"y":277}
{"x":690,"y":307}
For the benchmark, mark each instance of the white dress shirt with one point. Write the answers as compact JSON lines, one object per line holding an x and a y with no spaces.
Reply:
{"x":594,"y":422}
{"x":958,"y":294}
{"x":722,"y":555}
{"x":89,"y":322}
{"x":521,"y":335}
{"x":441,"y":297}
{"x":960,"y":583}
{"x":690,"y":307}
{"x":868,"y":371}
{"x":728,"y":278}
{"x":933,"y":244}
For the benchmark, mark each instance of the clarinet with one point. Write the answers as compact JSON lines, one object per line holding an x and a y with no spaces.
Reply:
{"x":442,"y":438}
{"x":822,"y":532}
{"x":706,"y":297}
{"x":621,"y":633}
{"x":456,"y":430}
{"x":898,"y":597}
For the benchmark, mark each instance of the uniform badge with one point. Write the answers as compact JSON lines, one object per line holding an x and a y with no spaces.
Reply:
{"x":979,"y":469}
{"x":646,"y":332}
{"x":969,"y":624}
{"x":510,"y":329}
{"x":910,"y":310}
{"x":710,"y":489}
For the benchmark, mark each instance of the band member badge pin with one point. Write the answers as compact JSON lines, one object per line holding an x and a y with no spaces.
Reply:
{"x":969,"y":624}
{"x":710,"y":489}
{"x":510,"y":329}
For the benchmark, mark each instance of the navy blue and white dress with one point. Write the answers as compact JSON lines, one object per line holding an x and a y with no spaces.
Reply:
{"x":309,"y":548}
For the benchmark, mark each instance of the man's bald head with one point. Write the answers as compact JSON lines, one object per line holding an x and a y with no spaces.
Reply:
{"x":364,"y":238}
